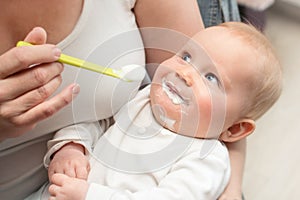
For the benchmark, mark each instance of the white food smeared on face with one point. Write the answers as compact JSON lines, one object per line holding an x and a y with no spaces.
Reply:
{"x":169,"y":88}
{"x":169,"y":122}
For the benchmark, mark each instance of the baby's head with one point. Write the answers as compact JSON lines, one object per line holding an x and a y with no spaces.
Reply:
{"x":226,"y":77}
{"x":266,"y":82}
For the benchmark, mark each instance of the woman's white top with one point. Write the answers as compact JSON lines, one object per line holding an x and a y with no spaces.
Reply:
{"x":106,"y":33}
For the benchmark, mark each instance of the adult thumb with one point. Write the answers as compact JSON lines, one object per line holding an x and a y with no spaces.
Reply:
{"x":37,"y":35}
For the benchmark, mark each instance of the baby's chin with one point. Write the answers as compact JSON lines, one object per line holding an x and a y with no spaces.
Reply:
{"x":172,"y":129}
{"x":188,"y":131}
{"x":170,"y":125}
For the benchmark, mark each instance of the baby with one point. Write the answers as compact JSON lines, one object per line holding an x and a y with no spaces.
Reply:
{"x":167,"y":142}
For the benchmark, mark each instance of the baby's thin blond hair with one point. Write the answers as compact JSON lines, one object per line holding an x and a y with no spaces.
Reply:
{"x":266,"y":86}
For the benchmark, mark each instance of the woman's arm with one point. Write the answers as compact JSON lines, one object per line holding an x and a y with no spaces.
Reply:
{"x":176,"y":15}
{"x":237,"y":154}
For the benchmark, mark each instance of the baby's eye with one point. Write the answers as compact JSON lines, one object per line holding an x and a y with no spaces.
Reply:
{"x":212,"y":78}
{"x":186,"y":57}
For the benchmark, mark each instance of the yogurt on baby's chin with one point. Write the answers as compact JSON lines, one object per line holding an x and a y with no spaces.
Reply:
{"x":168,"y":122}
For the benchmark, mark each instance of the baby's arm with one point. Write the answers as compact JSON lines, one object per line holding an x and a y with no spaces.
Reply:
{"x":237,"y":154}
{"x":69,"y":148}
{"x":191,"y":177}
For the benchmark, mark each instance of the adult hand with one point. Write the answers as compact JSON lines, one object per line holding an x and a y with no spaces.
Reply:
{"x":28,"y":76}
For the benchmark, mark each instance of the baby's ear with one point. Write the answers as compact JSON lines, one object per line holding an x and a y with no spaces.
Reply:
{"x":238,"y":131}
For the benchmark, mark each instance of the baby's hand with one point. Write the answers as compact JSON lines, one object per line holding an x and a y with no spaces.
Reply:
{"x":71,"y":161}
{"x":67,"y":188}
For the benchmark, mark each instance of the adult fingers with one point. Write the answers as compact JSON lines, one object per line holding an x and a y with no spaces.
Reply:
{"x":38,"y":35}
{"x":29,"y":100}
{"x":19,"y":58}
{"x":49,"y":107}
{"x":28,"y":80}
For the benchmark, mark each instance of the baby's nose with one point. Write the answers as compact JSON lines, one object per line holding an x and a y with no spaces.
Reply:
{"x":186,"y":75}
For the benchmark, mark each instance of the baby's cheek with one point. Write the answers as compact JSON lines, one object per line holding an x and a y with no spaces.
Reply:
{"x":164,"y":117}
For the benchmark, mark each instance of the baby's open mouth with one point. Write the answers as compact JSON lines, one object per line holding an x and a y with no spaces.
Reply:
{"x":171,"y":91}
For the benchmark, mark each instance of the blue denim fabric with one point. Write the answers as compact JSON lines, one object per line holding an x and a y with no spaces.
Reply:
{"x":214,"y":12}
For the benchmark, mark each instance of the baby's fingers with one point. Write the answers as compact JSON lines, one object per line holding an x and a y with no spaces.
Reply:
{"x":53,"y":190}
{"x":58,"y":180}
{"x":82,"y":172}
{"x":71,"y":172}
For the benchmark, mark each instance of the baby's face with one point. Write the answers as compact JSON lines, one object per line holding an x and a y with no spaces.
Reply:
{"x":193,"y":92}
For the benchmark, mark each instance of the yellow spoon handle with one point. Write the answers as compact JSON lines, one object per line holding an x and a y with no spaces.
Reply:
{"x":82,"y":64}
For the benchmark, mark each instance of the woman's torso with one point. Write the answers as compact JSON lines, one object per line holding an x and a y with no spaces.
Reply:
{"x":20,"y":17}
{"x":91,"y":30}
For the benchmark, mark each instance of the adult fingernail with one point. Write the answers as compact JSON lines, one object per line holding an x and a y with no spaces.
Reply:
{"x":57,"y":52}
{"x":75,"y":89}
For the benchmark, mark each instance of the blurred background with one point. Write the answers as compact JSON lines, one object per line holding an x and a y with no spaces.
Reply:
{"x":273,"y":151}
